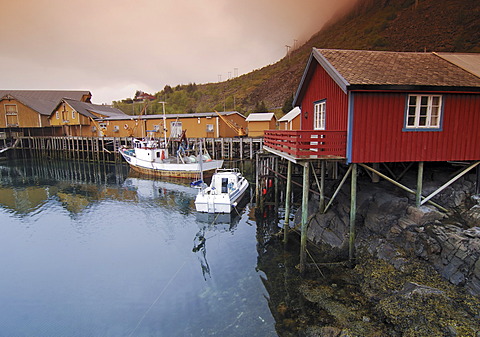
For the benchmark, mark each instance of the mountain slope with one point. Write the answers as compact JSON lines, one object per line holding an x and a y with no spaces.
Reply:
{"x":395,"y":25}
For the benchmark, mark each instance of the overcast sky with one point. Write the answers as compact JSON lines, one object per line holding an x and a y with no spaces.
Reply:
{"x":115,"y":47}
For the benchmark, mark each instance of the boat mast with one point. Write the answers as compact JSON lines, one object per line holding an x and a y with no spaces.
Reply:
{"x":164,"y":124}
{"x":201,"y":162}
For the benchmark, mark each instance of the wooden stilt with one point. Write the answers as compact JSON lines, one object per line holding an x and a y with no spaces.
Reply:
{"x":418,"y":195}
{"x":287,"y":202}
{"x":477,"y":188}
{"x":303,"y":238}
{"x":451,"y":181}
{"x":257,"y":180}
{"x":353,"y":211}
{"x":322,"y":186}
{"x":375,"y":177}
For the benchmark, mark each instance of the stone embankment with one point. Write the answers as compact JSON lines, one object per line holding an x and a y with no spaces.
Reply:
{"x":418,"y":267}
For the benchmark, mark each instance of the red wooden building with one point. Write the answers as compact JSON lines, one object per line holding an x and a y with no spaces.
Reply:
{"x":373,"y":106}
{"x":362,"y":107}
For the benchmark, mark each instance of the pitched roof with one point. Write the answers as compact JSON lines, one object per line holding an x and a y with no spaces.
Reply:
{"x":260,"y":117}
{"x":88,"y":109}
{"x":43,"y":101}
{"x":360,"y":67}
{"x":291,"y":115}
{"x":170,"y":116}
{"x":467,"y":61}
{"x":364,"y":69}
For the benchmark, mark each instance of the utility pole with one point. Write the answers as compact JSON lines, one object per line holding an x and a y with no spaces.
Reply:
{"x":288,"y":51}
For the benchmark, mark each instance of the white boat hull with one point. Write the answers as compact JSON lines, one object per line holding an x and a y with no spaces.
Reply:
{"x":220,"y":203}
{"x":172,"y":168}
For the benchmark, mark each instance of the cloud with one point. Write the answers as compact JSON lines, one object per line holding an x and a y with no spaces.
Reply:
{"x":109,"y":47}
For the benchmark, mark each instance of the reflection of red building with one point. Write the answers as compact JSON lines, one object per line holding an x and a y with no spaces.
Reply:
{"x":370,"y":107}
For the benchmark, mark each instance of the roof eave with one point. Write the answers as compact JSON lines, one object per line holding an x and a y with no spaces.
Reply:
{"x":308,"y":73}
{"x":406,"y":88}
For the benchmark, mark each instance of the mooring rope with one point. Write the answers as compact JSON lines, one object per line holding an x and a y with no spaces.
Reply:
{"x":158,"y":297}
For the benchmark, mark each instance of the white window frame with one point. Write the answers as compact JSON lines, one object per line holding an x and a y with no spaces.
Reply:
{"x":73,"y":114}
{"x":210,"y":128}
{"x":319,"y":115}
{"x":175,"y":129}
{"x":423,"y":112}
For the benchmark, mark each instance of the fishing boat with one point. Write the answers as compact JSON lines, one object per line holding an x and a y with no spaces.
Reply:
{"x":225,"y":191}
{"x":149,"y":156}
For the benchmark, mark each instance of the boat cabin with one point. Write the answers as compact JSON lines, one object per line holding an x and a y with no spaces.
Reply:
{"x":225,"y":181}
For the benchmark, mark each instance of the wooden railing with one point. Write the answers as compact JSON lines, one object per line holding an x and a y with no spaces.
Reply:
{"x":305,"y":144}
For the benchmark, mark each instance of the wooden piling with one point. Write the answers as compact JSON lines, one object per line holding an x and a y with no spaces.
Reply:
{"x":303,"y":238}
{"x":418,"y":194}
{"x":353,"y":211}
{"x":287,"y":202}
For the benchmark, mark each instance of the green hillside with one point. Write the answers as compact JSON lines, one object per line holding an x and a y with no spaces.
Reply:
{"x":395,"y":25}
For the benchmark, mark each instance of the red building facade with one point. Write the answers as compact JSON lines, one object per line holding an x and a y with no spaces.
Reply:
{"x":391,"y":106}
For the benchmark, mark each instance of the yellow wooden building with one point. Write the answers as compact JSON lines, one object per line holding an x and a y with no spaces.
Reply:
{"x":196,"y":125}
{"x":82,"y":119}
{"x":259,"y":122}
{"x":291,"y":121}
{"x":26,"y":112}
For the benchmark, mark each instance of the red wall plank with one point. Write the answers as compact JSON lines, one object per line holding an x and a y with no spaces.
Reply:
{"x":378,"y":135}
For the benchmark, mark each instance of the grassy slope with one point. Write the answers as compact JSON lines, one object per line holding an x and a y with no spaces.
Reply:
{"x":396,"y":25}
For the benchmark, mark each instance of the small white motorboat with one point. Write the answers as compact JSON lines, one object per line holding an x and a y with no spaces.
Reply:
{"x":225,"y":191}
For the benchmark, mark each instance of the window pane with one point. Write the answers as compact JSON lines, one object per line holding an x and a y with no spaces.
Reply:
{"x":435,"y":100}
{"x":412,"y":100}
{"x":424,"y":100}
{"x":411,"y":121}
{"x":422,"y":121}
{"x":423,"y":111}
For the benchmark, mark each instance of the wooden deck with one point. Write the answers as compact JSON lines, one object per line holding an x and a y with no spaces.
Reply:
{"x":300,"y":145}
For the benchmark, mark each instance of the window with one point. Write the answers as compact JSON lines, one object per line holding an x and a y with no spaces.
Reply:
{"x":57,"y":114}
{"x":423,"y":112}
{"x":209,"y":127}
{"x":11,"y":115}
{"x":176,"y":128}
{"x":73,"y":114}
{"x":116,"y":128}
{"x":319,"y":110}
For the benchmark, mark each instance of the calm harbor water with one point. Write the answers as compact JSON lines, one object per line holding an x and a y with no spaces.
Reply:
{"x":87,"y":250}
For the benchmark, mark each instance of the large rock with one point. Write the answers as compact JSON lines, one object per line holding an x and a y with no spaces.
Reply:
{"x":389,"y":226}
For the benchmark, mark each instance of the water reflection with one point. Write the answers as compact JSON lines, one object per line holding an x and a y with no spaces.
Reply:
{"x":100,"y":252}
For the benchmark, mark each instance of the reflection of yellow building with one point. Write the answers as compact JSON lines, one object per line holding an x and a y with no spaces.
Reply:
{"x":25,"y":200}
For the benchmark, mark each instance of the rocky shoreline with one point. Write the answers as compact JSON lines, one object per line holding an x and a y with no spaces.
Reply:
{"x":418,"y":269}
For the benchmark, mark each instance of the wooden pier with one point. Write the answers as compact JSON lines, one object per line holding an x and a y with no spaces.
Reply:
{"x":106,"y":148}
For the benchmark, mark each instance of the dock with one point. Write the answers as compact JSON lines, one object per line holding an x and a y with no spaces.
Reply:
{"x":106,"y":148}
